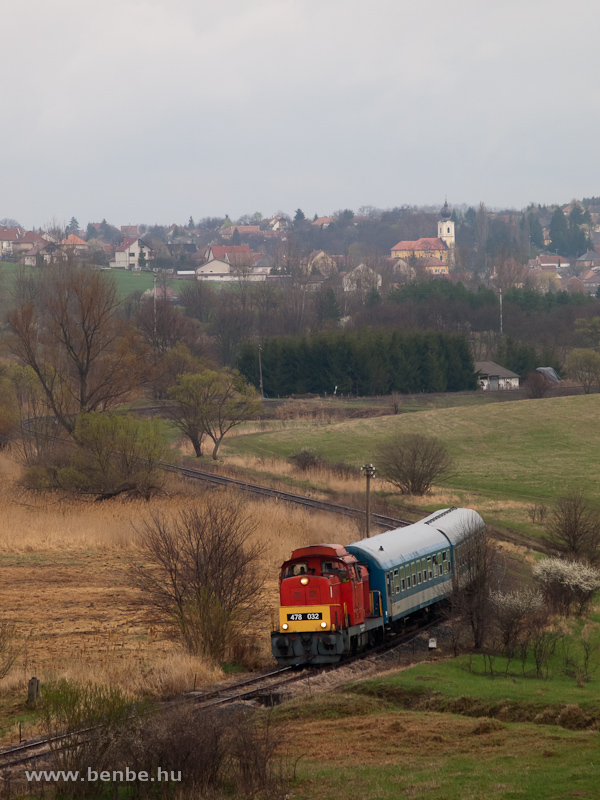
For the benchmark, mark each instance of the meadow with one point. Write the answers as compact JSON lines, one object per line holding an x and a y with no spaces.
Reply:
{"x":126,"y":281}
{"x":65,"y":582}
{"x":64,"y":579}
{"x":508,"y":456}
{"x":383,"y":754}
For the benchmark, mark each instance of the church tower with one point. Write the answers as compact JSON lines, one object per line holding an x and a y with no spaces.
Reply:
{"x":446,"y":231}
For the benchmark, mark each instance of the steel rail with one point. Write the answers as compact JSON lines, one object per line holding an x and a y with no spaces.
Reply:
{"x":287,"y":497}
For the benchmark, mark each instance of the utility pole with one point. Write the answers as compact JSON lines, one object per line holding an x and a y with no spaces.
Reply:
{"x":262,"y":392}
{"x":500,"y":290}
{"x":369,"y":471}
{"x":155,"y":343}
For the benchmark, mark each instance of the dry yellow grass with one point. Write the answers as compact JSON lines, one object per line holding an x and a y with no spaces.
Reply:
{"x":64,"y":581}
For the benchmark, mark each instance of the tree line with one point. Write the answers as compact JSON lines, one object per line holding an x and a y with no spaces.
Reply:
{"x":362,"y":362}
{"x":77,"y":360}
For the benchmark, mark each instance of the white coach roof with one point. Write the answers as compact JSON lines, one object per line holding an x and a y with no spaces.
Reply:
{"x":404,"y":544}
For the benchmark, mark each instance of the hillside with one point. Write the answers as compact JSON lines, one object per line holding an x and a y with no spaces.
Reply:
{"x":527,"y":451}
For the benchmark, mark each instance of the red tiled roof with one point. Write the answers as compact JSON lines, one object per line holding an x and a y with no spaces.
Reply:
{"x":222,"y":250}
{"x":72,"y":240}
{"x":421,"y":244}
{"x":323,"y":221}
{"x":242,"y":229}
{"x":29,"y":237}
{"x":127,"y":242}
{"x":10,"y":234}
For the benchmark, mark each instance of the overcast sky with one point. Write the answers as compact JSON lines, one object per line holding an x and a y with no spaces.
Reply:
{"x":155,"y":110}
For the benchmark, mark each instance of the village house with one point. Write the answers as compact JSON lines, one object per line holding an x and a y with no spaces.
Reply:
{"x":322,"y":222}
{"x":243,"y":231}
{"x":590,"y":280}
{"x":161,"y":292}
{"x":133,"y":254}
{"x":361,"y":279}
{"x":24,"y":242}
{"x":227,"y":263}
{"x":492,"y":377}
{"x":8,"y":236}
{"x":549,"y":263}
{"x":75,"y":246}
{"x":589,"y":260}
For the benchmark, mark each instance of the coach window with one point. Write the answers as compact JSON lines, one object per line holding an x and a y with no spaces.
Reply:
{"x":429,"y":569}
{"x":435,"y":570}
{"x":414,"y":573}
{"x":396,"y":582}
{"x":419,"y":576}
{"x":446,"y":562}
{"x":408,"y":576}
{"x":402,"y":579}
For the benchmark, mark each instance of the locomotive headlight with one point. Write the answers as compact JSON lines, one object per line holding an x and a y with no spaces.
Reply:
{"x":323,"y":624}
{"x":303,"y":581}
{"x":285,"y":626}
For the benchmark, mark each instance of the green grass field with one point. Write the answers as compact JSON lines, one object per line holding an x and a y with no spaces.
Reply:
{"x":440,"y":731}
{"x":526,"y":450}
{"x":126,"y":281}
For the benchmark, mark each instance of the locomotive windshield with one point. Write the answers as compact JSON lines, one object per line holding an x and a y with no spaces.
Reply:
{"x":299,"y":568}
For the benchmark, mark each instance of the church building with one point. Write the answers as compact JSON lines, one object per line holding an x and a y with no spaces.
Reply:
{"x":435,"y":255}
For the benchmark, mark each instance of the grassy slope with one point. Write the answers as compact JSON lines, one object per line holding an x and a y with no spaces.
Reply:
{"x":438,"y":757}
{"x":127,"y":282}
{"x":395,"y":744}
{"x":529,"y":449}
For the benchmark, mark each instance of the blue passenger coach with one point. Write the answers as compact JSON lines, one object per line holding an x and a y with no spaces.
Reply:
{"x":411,"y":568}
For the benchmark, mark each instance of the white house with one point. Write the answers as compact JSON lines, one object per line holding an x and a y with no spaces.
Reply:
{"x":220,"y":270}
{"x":493,"y":377}
{"x":127,"y":255}
{"x":361,"y":279}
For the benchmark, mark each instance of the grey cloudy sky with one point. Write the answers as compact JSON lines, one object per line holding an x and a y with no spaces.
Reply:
{"x":152,"y":110}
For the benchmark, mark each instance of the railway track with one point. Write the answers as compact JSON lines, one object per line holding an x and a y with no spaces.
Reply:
{"x":286,"y":497}
{"x":263,"y":687}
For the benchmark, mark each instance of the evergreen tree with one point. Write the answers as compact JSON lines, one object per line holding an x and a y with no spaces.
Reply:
{"x":536,"y":232}
{"x":72,"y":227}
{"x":559,"y":233}
{"x":236,"y":239}
{"x":299,"y":215}
{"x":373,"y":297}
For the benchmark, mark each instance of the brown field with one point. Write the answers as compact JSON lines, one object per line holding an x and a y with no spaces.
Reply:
{"x":64,"y":581}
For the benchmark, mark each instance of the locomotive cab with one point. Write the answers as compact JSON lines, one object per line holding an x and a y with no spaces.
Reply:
{"x":324,"y":603}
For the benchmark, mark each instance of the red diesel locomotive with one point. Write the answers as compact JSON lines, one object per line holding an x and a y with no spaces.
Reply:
{"x":326,"y":605}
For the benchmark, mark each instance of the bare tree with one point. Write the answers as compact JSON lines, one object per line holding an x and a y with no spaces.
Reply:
{"x":515,"y":615}
{"x":474,"y":578}
{"x":536,"y":386}
{"x":83,"y":354}
{"x":199,"y":573}
{"x":573,"y":529}
{"x":412,"y":462}
{"x":10,"y":647}
{"x":163,"y":326}
{"x":583,"y":366}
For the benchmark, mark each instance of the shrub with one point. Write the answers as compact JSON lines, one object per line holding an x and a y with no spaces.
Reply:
{"x":412,"y":462}
{"x":306,"y":459}
{"x":568,"y":586}
{"x":199,"y":573}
